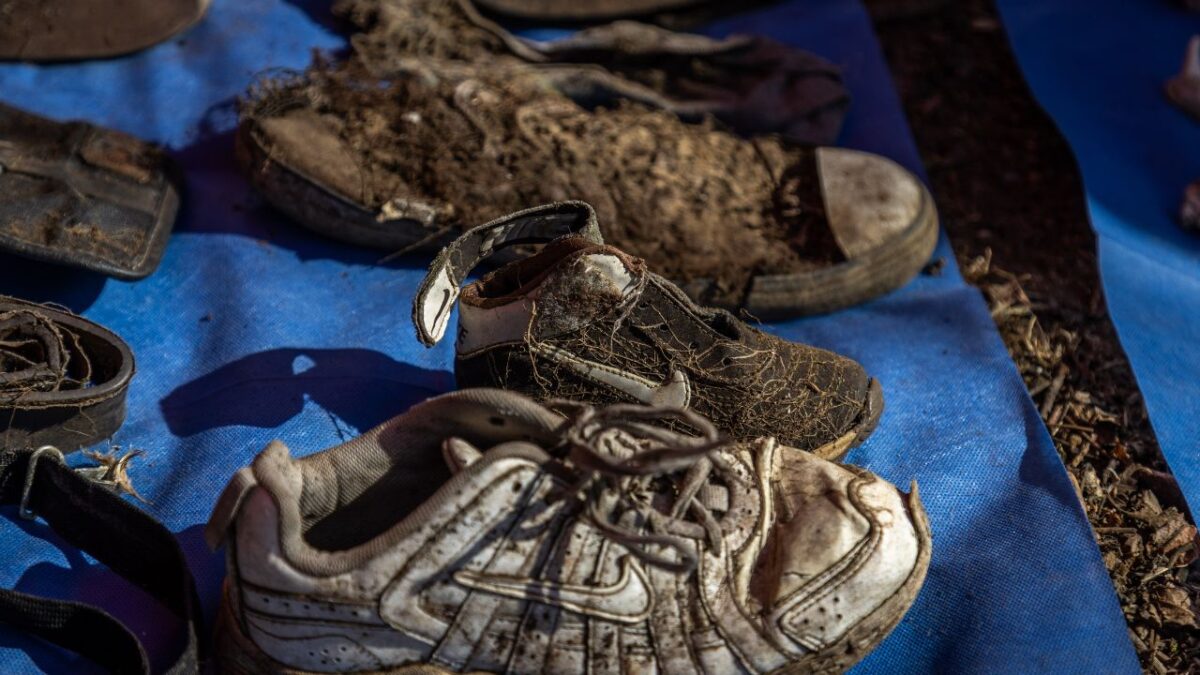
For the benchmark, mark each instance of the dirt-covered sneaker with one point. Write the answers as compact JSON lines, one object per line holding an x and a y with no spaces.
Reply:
{"x":482,"y":532}
{"x":589,"y":322}
{"x":749,"y":82}
{"x":761,"y":224}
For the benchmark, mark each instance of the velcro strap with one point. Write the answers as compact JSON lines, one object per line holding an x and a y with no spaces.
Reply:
{"x":438,"y":292}
{"x":131,"y":543}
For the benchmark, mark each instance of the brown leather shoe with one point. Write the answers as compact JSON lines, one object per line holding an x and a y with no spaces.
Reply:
{"x":66,"y":30}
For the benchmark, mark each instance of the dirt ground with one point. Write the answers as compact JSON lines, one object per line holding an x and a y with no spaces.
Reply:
{"x":985,"y":140}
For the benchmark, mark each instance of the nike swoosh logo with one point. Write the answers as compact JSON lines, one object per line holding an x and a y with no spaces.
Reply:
{"x":674,"y":392}
{"x":628,"y":600}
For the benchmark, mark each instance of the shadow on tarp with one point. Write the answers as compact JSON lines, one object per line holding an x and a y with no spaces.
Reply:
{"x":361,"y":386}
{"x":321,"y":13}
{"x":38,"y":281}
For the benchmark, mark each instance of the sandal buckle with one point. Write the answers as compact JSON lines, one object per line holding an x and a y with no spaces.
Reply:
{"x":97,"y":474}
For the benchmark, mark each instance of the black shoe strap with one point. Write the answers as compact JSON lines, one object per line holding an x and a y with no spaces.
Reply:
{"x":437,"y":293}
{"x":94,"y":518}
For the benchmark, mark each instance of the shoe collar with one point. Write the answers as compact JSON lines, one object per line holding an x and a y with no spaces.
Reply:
{"x":407,"y":449}
{"x":436,"y":296}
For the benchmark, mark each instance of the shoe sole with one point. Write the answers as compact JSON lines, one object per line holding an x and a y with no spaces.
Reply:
{"x":878,"y":271}
{"x":150,"y":36}
{"x":235,"y":653}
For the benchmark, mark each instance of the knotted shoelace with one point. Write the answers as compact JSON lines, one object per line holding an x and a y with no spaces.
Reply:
{"x":618,"y":451}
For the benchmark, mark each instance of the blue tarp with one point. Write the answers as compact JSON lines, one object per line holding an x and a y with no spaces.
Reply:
{"x":253,"y":329}
{"x":1098,"y":68}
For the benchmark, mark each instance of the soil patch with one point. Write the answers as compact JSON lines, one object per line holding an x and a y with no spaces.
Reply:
{"x":984,"y":139}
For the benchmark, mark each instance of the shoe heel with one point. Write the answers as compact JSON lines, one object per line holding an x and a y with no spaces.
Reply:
{"x":233,"y":652}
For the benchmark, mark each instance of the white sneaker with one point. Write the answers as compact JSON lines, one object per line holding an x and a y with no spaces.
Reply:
{"x":483,"y":532}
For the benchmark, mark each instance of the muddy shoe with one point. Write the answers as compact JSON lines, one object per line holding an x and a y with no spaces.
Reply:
{"x":480,"y":532}
{"x":676,"y":14}
{"x":751,"y":83}
{"x":760,"y":224}
{"x":589,"y":322}
{"x":76,"y":194}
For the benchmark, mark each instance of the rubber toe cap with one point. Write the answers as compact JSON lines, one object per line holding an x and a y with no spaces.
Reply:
{"x":869,"y":199}
{"x":850,"y":551}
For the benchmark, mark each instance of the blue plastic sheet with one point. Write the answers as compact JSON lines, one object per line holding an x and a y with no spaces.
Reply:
{"x":1104,"y":88}
{"x":253,"y":329}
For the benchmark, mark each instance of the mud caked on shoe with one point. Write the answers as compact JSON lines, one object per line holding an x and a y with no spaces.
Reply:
{"x":587,"y":321}
{"x":675,"y":14}
{"x":408,"y":162}
{"x":480,"y":531}
{"x":749,"y":82}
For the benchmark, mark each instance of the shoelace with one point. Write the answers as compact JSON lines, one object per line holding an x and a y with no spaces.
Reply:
{"x":617,"y":450}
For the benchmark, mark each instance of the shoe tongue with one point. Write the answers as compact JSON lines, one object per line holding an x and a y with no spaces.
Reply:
{"x":605,"y":267}
{"x":459,"y":454}
{"x":583,"y":287}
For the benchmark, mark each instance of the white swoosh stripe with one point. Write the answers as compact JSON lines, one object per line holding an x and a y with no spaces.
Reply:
{"x":628,"y":600}
{"x":675,"y":392}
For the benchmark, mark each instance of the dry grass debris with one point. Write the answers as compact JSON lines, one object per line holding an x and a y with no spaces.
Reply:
{"x":1148,"y":542}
